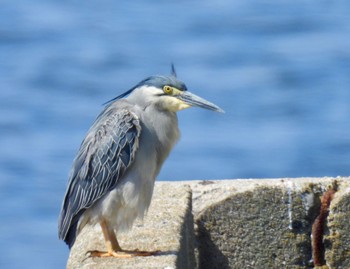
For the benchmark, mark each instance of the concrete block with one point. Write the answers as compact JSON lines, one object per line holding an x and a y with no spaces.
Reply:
{"x":238,"y":224}
{"x":168,"y":227}
{"x":263,"y":223}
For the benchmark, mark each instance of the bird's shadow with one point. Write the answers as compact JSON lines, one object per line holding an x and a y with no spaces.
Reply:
{"x":166,"y":253}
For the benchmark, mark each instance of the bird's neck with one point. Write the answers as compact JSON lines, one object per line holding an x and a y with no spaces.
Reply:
{"x":164,"y":124}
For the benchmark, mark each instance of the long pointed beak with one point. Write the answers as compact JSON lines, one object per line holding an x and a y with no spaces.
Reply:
{"x":194,"y":100}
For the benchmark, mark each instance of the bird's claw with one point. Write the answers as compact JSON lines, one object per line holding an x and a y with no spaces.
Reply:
{"x":123,"y":254}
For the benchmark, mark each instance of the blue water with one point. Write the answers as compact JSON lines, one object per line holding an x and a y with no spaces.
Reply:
{"x":280,"y":70}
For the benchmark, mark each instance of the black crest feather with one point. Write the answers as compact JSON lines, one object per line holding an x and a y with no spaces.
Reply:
{"x":173,"y":71}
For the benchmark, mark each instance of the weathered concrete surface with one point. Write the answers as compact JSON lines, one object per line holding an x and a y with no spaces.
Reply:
{"x":338,"y":239}
{"x":239,"y":224}
{"x":168,"y":227}
{"x":265,"y":223}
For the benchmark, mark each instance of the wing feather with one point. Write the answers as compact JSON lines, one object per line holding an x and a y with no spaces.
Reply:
{"x":104,"y":156}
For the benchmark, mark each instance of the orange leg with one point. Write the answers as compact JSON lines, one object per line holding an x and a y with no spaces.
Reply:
{"x":113,"y":247}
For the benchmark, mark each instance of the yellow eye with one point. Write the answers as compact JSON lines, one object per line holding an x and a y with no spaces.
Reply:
{"x":167,"y":89}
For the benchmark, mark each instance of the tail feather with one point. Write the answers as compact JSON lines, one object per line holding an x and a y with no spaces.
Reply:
{"x":71,"y":235}
{"x":68,"y":231}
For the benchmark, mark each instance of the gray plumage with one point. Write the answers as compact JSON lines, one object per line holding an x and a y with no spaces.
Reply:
{"x":113,"y":174}
{"x":103,"y":157}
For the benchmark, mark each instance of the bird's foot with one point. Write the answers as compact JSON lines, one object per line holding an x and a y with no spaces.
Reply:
{"x":122,"y":254}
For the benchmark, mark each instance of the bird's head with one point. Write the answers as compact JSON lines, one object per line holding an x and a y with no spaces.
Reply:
{"x":169,"y":93}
